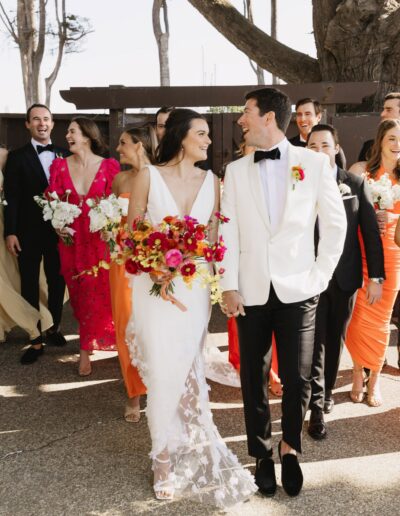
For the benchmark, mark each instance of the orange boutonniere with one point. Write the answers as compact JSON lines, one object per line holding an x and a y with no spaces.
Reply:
{"x":297,"y":175}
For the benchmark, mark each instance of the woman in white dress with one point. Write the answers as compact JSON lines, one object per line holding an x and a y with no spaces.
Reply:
{"x":14,"y":310}
{"x":189,"y":456}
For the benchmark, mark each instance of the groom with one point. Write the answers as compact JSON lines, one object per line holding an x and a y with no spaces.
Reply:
{"x":28,"y":236}
{"x":272,"y":279}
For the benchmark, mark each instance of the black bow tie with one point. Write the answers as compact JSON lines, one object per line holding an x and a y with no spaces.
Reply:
{"x":271,"y":154}
{"x":42,"y":148}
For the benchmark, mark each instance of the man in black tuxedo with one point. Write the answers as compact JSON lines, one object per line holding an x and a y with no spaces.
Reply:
{"x":336,"y":302}
{"x":391,"y":109}
{"x":308,"y":114}
{"x":27,"y":235}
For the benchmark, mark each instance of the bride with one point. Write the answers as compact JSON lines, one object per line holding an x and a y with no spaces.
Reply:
{"x":166,"y":344}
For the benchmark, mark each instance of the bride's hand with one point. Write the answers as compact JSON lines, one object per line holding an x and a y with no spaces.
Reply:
{"x":382,"y":218}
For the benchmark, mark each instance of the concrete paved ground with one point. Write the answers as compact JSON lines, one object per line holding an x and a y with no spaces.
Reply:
{"x":65,"y":448}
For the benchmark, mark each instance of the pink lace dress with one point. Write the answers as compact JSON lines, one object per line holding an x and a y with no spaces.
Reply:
{"x":89,"y":295}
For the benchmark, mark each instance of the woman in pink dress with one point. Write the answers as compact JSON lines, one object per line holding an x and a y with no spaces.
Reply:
{"x":86,"y":175}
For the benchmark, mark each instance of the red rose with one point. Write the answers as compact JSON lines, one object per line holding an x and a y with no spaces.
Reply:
{"x":131,"y":267}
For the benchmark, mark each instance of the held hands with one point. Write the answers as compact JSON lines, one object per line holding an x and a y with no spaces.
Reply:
{"x":374,"y":292}
{"x":12,"y":244}
{"x":232,"y":303}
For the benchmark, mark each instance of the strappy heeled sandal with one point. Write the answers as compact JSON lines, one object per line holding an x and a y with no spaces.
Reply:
{"x":357,"y":396}
{"x":374,"y":396}
{"x":132,"y":414}
{"x":163,"y":487}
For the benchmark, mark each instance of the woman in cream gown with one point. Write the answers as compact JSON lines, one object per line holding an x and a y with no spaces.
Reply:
{"x":189,"y":456}
{"x":14,"y":310}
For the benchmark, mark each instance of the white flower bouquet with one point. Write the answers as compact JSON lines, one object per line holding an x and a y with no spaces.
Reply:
{"x":106,"y":215}
{"x":60,"y":212}
{"x":384,"y":194}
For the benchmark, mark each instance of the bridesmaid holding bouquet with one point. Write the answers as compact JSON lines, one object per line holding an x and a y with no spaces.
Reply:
{"x":82,"y":176}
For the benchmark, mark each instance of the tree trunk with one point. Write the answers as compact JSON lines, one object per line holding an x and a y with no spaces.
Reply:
{"x":356,"y":40}
{"x":248,"y":12}
{"x":274,"y":32}
{"x":31,"y":46}
{"x":162,"y":39}
{"x":359,"y":41}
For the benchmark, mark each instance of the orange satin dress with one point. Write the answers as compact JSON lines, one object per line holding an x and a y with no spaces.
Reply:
{"x":369,"y":331}
{"x":121,"y":304}
{"x":234,"y":356}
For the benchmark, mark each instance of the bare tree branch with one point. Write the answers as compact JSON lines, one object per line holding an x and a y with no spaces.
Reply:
{"x":271,"y":55}
{"x":8,"y":24}
{"x":162,"y":39}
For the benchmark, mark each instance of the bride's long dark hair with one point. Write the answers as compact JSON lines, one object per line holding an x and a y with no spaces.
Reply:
{"x":176,"y":129}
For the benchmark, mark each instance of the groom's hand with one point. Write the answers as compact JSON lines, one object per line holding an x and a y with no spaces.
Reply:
{"x":12,"y":244}
{"x":232,"y":303}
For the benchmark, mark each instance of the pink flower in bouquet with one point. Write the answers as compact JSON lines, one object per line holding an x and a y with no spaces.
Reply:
{"x":188,"y":269}
{"x":173,"y":258}
{"x":157,"y":240}
{"x":219,"y":250}
{"x":221,"y":217}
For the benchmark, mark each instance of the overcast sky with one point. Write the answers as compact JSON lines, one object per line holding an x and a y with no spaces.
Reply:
{"x":122,"y":50}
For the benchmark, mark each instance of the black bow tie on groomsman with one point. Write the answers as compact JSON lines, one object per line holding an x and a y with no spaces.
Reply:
{"x":42,"y":148}
{"x":271,"y":154}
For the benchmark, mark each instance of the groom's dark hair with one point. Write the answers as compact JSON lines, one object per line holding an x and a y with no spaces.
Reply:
{"x":37,"y":105}
{"x":270,"y":99}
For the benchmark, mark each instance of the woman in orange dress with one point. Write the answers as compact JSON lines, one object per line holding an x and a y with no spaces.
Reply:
{"x":369,"y":330}
{"x":136,"y":148}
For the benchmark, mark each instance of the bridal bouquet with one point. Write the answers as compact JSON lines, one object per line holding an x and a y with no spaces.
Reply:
{"x":384,"y":194}
{"x":60,"y":212}
{"x":106,"y":215}
{"x":174,"y":248}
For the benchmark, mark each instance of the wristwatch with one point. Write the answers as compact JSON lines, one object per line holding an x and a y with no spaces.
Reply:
{"x":377,"y":280}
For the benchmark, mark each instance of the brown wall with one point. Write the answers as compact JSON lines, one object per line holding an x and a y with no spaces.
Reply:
{"x":353,"y":129}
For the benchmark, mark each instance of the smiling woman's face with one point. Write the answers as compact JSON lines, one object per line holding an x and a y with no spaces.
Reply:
{"x":391,"y":144}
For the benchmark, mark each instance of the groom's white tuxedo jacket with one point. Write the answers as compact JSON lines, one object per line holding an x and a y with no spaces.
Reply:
{"x":256,"y":254}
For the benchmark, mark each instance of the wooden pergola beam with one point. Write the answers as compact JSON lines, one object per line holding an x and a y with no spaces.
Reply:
{"x":123,"y":97}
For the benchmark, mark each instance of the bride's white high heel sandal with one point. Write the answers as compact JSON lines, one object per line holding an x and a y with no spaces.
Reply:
{"x":164,"y":484}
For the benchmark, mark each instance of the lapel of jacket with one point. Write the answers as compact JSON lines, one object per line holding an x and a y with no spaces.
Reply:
{"x":293,"y":160}
{"x":257,"y":190}
{"x":36,"y":164}
{"x":341,"y":176}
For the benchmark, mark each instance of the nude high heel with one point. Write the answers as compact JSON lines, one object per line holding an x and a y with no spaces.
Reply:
{"x":356,"y":395}
{"x":374,"y":396}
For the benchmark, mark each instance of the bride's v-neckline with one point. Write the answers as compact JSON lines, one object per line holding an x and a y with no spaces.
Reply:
{"x":173,"y":198}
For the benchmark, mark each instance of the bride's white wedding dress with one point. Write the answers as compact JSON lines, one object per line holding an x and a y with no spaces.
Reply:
{"x":167,"y":346}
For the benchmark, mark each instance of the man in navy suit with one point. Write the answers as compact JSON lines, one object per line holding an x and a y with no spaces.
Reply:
{"x":28,"y":236}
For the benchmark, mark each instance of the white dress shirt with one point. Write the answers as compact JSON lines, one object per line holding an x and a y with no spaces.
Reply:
{"x":46,"y":157}
{"x":274,"y":178}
